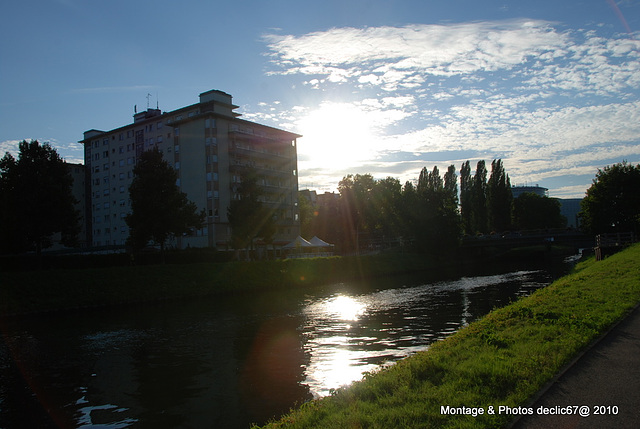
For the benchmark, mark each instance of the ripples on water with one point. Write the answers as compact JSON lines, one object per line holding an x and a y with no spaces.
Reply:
{"x":227,"y":363}
{"x":347,"y":335}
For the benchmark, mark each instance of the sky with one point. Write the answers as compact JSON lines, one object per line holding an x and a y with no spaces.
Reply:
{"x":381,"y":87}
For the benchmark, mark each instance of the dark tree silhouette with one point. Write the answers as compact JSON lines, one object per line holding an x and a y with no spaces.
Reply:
{"x":531,"y":211}
{"x":37,"y":200}
{"x":612,"y":203}
{"x":499,"y":198}
{"x":159,"y":210}
{"x":248,"y":217}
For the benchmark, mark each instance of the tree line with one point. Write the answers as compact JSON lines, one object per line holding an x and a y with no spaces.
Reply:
{"x":430,"y":214}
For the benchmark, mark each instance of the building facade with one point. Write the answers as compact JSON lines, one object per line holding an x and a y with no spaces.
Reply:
{"x":211,"y":149}
{"x":516,"y":191}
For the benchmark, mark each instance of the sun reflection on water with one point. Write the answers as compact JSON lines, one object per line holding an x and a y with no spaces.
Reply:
{"x":337,"y":359}
{"x":345,"y":308}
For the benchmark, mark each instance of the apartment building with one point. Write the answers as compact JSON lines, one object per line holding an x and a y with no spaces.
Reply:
{"x":210,"y":148}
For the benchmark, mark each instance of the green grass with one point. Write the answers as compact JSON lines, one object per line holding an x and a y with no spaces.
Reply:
{"x":502,"y":359}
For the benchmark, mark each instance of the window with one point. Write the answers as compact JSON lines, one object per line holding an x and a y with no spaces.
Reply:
{"x":176,"y":148}
{"x":215,"y":177}
{"x":121,"y":163}
{"x":159,"y":139}
{"x":159,"y":125}
{"x":105,"y":192}
{"x":121,"y":149}
{"x":177,"y":165}
{"x":122,"y":204}
{"x":105,"y":154}
{"x":105,"y":142}
{"x":122,"y":189}
{"x":106,"y":205}
{"x":208,"y":177}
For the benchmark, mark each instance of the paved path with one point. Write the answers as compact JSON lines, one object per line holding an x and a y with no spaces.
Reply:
{"x":608,"y":374}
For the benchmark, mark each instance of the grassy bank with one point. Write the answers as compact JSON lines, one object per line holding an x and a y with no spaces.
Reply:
{"x":502,"y":359}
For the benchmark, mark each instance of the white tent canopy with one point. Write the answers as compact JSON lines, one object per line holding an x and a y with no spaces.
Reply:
{"x":318,"y":242}
{"x":298,"y":242}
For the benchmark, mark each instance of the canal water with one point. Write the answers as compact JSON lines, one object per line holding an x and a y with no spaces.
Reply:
{"x":228,"y":362}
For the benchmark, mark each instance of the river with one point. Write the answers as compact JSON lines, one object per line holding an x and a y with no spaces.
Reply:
{"x":228,"y":362}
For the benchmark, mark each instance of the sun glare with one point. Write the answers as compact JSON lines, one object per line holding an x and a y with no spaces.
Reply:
{"x":336,"y":135}
{"x":345,"y":308}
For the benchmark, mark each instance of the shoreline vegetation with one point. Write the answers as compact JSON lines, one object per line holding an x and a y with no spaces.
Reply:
{"x":503,"y":359}
{"x":24,"y":293}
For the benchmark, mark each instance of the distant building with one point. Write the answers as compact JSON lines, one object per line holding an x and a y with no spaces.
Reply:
{"x":210,"y":148}
{"x":516,"y":191}
{"x":570,"y":208}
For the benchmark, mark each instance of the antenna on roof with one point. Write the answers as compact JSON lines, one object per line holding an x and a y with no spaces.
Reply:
{"x":157,"y":105}
{"x":148,"y":95}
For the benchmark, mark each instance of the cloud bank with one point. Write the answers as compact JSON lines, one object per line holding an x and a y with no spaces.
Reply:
{"x":553,"y":103}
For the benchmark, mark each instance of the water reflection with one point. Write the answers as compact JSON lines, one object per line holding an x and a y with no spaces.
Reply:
{"x":226,"y":362}
{"x":348,"y":335}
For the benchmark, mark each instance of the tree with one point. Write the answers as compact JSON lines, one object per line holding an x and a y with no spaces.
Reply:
{"x":248,"y":217}
{"x":499,"y":198}
{"x":434,"y":222}
{"x":451,"y":184}
{"x":307,"y":215}
{"x":612,"y":203}
{"x":531,"y":211}
{"x":158,"y":209}
{"x":37,"y":199}
{"x":466,"y":200}
{"x":356,"y":206}
{"x":479,"y":198}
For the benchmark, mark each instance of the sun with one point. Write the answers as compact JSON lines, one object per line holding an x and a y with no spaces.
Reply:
{"x":336,"y":135}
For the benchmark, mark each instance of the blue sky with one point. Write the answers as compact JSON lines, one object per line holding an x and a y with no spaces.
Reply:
{"x":550,"y":87}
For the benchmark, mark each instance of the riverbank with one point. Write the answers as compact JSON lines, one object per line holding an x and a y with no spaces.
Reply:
{"x":30,"y":292}
{"x":501,"y":360}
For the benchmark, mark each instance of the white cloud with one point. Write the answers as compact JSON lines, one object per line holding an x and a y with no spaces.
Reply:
{"x":552,"y":103}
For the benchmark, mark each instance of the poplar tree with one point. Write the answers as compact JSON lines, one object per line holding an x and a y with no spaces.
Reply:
{"x":499,"y":198}
{"x":479,"y":198}
{"x":466,"y":200}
